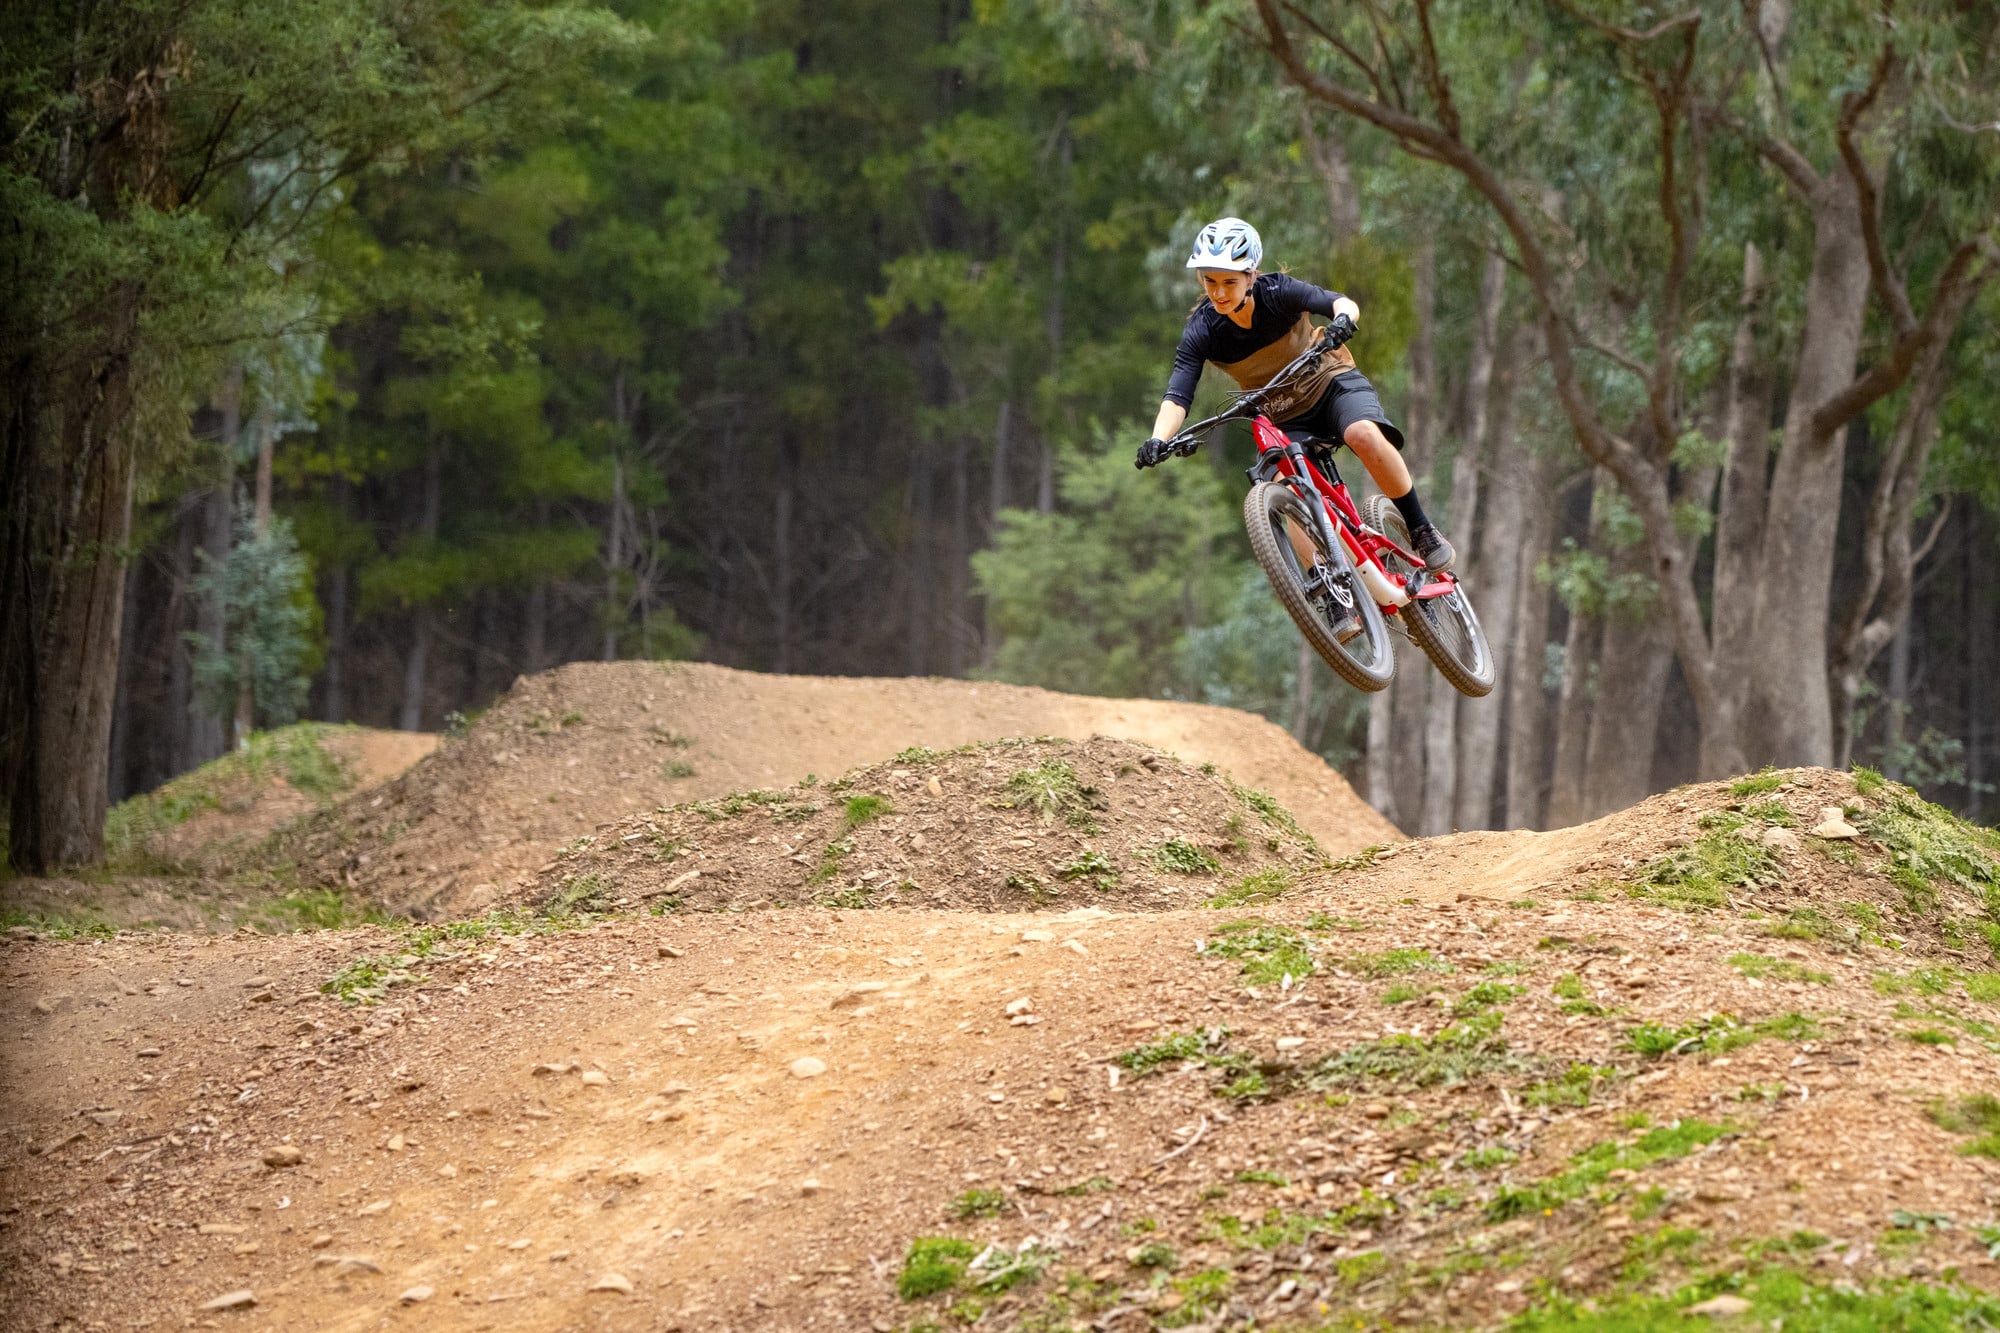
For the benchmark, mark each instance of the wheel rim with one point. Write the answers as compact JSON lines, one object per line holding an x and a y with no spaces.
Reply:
{"x":1336,"y":589}
{"x":1450,"y":623}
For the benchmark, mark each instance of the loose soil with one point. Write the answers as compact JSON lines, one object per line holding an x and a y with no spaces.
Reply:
{"x":1411,"y":1093}
{"x":570,"y":749}
{"x":998,"y":826}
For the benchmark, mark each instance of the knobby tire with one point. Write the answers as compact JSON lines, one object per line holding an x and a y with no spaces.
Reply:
{"x":1265,"y":510}
{"x":1446,"y":628}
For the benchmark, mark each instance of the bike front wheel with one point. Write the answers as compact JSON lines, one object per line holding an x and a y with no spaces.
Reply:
{"x":1446,"y":627}
{"x":1322,"y":595}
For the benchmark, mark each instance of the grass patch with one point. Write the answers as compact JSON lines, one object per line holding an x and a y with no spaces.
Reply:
{"x":1262,"y":887}
{"x":676,"y":768}
{"x":1402,"y":992}
{"x":1486,"y":995}
{"x":297,"y":753}
{"x":1093,"y":866}
{"x":859,"y":810}
{"x":1716,"y":1033}
{"x":1467,"y":1049}
{"x":1568,"y":989}
{"x":1699,"y":876}
{"x":1765,"y":968}
{"x":1574,"y":1087}
{"x":1175,"y":1048}
{"x":1763,"y":780}
{"x":1929,"y":848}
{"x":1183,"y":858}
{"x":734,"y":804}
{"x":1485,"y":1159}
{"x":978,"y":1203}
{"x":1269,"y":954}
{"x":365,"y":980}
{"x":1156,"y":1254}
{"x":1397,"y":962}
{"x":1053,"y":791}
{"x":933,"y":1264}
{"x":1593,"y":1166}
{"x":1779,"y":1297}
{"x":1266,"y":807}
{"x":59,"y":925}
{"x":1202,"y":1294}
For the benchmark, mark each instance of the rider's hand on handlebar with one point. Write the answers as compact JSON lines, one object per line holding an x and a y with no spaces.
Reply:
{"x":1152,"y":453}
{"x":1338,"y":332}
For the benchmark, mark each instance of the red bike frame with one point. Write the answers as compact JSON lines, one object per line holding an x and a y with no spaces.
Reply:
{"x":1364,"y":544}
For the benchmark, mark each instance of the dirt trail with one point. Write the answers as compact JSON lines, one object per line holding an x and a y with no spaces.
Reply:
{"x":571,"y":749}
{"x":742,"y":1120}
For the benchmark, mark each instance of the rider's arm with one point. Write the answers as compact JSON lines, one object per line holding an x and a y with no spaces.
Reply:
{"x":1168,"y":423}
{"x":1292,"y":295}
{"x":1189,"y":359}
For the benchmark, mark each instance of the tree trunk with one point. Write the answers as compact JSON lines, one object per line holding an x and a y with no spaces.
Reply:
{"x":1329,"y":156}
{"x":998,"y":500}
{"x":1382,"y":754}
{"x":1302,"y":692}
{"x":67,"y":483}
{"x":334,"y":697}
{"x":1792,"y":714}
{"x":614,"y":562}
{"x":1566,"y":797}
{"x":1632,"y":670}
{"x":260,"y":518}
{"x":1497,"y":568}
{"x":1739,"y":512}
{"x":421,"y":626}
{"x":1896,"y":707}
{"x":781,"y":577}
{"x":206,"y":737}
{"x":1526,"y":657}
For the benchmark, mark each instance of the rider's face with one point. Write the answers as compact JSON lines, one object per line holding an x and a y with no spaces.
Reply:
{"x":1225,"y":290}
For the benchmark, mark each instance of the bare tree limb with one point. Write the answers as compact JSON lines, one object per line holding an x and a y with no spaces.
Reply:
{"x":1887,"y":283}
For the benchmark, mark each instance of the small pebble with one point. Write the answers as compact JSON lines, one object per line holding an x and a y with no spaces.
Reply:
{"x":416,"y":1295}
{"x":613,"y":1282}
{"x":808,"y":1066}
{"x":232,"y":1300}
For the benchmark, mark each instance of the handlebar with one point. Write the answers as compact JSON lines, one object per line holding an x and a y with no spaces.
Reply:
{"x":1250,"y":402}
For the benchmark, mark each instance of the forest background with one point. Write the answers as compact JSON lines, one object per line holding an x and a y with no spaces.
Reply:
{"x":360,"y":358}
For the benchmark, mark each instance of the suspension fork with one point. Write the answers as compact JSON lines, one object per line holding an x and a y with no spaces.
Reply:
{"x":1290,"y":462}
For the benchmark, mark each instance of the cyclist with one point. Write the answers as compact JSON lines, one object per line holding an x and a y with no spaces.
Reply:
{"x":1253,"y":325}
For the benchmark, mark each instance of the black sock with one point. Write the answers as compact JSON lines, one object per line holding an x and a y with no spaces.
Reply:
{"x":1411,"y":508}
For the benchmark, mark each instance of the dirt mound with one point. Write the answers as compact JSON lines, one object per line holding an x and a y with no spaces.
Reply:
{"x":1459,"y":1107}
{"x":995,"y":826}
{"x":204,"y":818}
{"x":1893,"y":869}
{"x":585,"y":744}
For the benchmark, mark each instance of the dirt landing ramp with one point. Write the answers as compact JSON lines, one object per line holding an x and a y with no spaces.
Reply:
{"x":571,"y":749}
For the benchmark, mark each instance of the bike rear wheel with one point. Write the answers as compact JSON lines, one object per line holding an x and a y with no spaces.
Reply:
{"x":1317,"y":598}
{"x":1446,"y":628}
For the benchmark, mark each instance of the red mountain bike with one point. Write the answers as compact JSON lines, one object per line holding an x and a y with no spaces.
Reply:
{"x":1341,"y":577}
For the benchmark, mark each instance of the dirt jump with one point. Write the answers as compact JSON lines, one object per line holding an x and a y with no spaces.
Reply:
{"x":572,"y":749}
{"x":1729,"y":1052}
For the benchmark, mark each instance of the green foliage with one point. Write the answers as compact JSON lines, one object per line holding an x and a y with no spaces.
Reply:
{"x":1716,"y":1034}
{"x":1467,"y":1049}
{"x":1568,"y":988}
{"x":1397,"y":962}
{"x":1766,"y":968}
{"x":297,"y":753}
{"x":1777,"y":1295}
{"x":1930,"y":847}
{"x":1054,"y":791}
{"x":933,"y":1264}
{"x":1977,"y":1115}
{"x":978,"y":1203}
{"x":859,"y":810}
{"x":265,"y":590}
{"x":1094,"y":597}
{"x":1173,"y":1049}
{"x":1269,"y":953}
{"x":1271,"y":883}
{"x":1757,"y":783}
{"x":1593,"y":1166}
{"x":1485,"y":995}
{"x":1184,"y":858}
{"x":1156,"y":1254}
{"x":1574,"y":1087}
{"x":1701,"y":874}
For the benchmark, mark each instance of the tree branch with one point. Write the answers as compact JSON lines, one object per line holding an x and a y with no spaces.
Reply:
{"x":1887,"y":284}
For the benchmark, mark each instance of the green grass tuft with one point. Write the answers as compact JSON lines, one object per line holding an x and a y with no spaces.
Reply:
{"x":1929,"y":848}
{"x":933,"y":1264}
{"x":1700,"y":875}
{"x":1715,"y":1034}
{"x":1594,"y":1165}
{"x":1397,"y":962}
{"x":1262,"y":887}
{"x":1053,"y":790}
{"x":1184,"y":858}
{"x":1173,"y":1049}
{"x":1269,"y":953}
{"x":978,"y":1203}
{"x":1467,"y":1049}
{"x":1756,"y":784}
{"x":1765,"y":968}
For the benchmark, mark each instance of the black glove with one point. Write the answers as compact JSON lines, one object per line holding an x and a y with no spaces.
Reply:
{"x":1152,"y":453}
{"x":1338,"y":332}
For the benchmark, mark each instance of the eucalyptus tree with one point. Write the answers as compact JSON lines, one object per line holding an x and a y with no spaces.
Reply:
{"x":1611,"y":154}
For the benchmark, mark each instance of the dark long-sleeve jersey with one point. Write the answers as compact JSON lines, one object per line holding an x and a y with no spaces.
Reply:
{"x":1211,"y":335}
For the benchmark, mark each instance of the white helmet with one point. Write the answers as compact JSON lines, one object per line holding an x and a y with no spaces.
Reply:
{"x":1227,"y":243}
